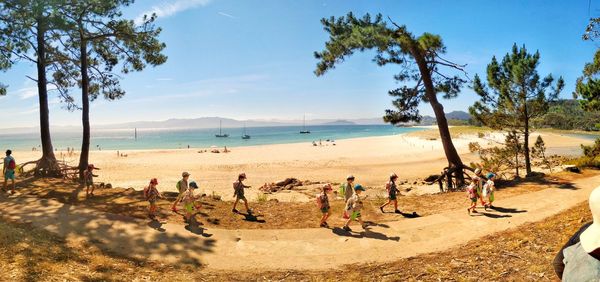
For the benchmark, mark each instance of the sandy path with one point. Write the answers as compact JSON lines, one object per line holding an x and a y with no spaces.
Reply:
{"x":289,"y":249}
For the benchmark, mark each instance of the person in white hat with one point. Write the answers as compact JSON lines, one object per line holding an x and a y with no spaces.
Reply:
{"x":392,"y":191}
{"x":581,"y":255}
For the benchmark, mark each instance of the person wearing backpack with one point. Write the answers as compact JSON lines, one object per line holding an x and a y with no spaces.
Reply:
{"x":323,"y":204}
{"x":152,"y":195}
{"x":392,"y":191}
{"x":189,"y":201}
{"x":182,"y":186}
{"x":238,"y":193}
{"x":353,"y":208}
{"x":346,"y":191}
{"x":8,"y":170}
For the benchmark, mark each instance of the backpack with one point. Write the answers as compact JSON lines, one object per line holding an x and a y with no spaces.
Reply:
{"x":318,"y":201}
{"x":12,"y":165}
{"x":146,"y":192}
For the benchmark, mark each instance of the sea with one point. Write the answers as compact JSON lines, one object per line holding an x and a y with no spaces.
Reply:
{"x":125,"y":139}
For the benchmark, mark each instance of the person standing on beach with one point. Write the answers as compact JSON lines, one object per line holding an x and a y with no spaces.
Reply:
{"x":347,"y":190}
{"x":182,"y":186}
{"x":353,"y":207}
{"x":392,"y":191}
{"x":152,"y":195}
{"x":323,"y":204}
{"x":88,"y":177}
{"x":238,"y":193}
{"x":488,"y":190}
{"x":8,"y":170}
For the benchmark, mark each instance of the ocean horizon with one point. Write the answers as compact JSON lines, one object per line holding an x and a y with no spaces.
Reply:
{"x":125,"y":139}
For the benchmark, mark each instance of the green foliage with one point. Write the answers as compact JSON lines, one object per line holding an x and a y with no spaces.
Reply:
{"x":568,"y":115}
{"x":262,"y":198}
{"x":588,"y":85}
{"x":419,"y":58}
{"x":590,"y":156}
{"x":539,"y":152}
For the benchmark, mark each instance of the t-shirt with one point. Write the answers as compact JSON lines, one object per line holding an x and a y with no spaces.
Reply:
{"x":579,"y":265}
{"x":238,"y":188}
{"x":558,"y":263}
{"x":7,"y":161}
{"x":182,"y":186}
{"x":392,"y":189}
{"x":324,"y":199}
{"x":488,"y":188}
{"x":188,"y":197}
{"x":354,"y":203}
{"x":348,"y":191}
{"x":472,"y":190}
{"x":152,"y":193}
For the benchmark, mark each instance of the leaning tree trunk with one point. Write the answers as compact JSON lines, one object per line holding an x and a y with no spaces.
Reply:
{"x":454,"y":162}
{"x":85,"y":108}
{"x":47,"y":165}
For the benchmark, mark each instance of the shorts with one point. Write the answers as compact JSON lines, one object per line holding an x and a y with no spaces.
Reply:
{"x":9,"y":174}
{"x":89,"y":181}
{"x":474,"y":200}
{"x":152,"y":202}
{"x":325,"y":210}
{"x":491,"y":197}
{"x":240,"y":197}
{"x":355,"y":215}
{"x":189,"y":207}
{"x":392,"y":197}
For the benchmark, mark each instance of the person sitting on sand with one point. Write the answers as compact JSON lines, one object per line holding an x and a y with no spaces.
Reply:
{"x":392,"y":191}
{"x":353,"y":207}
{"x":323,"y":204}
{"x":8,"y":170}
{"x":472,"y":194}
{"x":88,"y":177}
{"x":152,"y":195}
{"x":238,"y":193}
{"x":579,"y":259}
{"x":488,"y":190}
{"x":189,"y":201}
{"x":182,"y":186}
{"x":346,"y":191}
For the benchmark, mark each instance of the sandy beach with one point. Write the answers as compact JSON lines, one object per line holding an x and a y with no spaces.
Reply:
{"x":369,"y":159}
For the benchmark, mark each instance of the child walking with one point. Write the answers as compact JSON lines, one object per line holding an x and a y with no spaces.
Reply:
{"x":182,"y":186}
{"x":488,"y":190}
{"x":189,"y":201}
{"x":323,"y":204}
{"x":8,"y":171}
{"x":88,"y":176}
{"x":238,"y":193}
{"x":353,"y":207}
{"x":472,"y":194}
{"x":392,"y":193}
{"x":346,"y":191}
{"x":479,"y":188}
{"x":152,"y":195}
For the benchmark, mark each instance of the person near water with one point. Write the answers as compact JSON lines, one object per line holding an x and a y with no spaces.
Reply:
{"x":347,"y":190}
{"x":579,"y":259}
{"x":8,"y":170}
{"x":189,"y":201}
{"x":392,"y":191}
{"x":152,"y":195}
{"x":353,"y":207}
{"x":238,"y":193}
{"x":88,"y":177}
{"x":488,"y":190}
{"x":472,"y":194}
{"x":323,"y":204}
{"x":182,"y":186}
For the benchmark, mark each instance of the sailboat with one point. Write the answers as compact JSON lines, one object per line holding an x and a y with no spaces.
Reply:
{"x":221,"y":135}
{"x":304,"y":131}
{"x":245,"y":136}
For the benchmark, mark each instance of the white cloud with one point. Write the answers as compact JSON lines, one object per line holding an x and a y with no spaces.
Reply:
{"x":169,"y":9}
{"x":27,"y":92}
{"x":227,"y":15}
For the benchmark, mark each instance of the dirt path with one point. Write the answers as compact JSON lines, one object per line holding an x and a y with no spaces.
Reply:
{"x":292,"y":248}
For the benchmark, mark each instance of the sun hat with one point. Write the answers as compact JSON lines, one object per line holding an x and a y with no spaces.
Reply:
{"x":193,"y":184}
{"x":242,"y":175}
{"x":327,"y":187}
{"x":393,"y":175}
{"x":350,"y":176}
{"x":590,"y":238}
{"x":184,"y":174}
{"x":477,"y":170}
{"x":490,"y":175}
{"x":91,"y":166}
{"x":154,"y":181}
{"x":359,"y":187}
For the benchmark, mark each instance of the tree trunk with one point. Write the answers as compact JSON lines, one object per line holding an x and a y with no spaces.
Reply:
{"x":47,"y":165}
{"x":452,"y":156}
{"x":85,"y":108}
{"x":526,"y":143}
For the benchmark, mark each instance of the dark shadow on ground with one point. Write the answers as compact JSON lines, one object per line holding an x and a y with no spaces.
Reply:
{"x":252,"y":217}
{"x":195,"y":228}
{"x":493,"y":215}
{"x":364,"y":234}
{"x":156,"y":225}
{"x":507,"y":210}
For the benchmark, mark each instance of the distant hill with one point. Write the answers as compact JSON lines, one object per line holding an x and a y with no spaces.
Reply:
{"x":340,"y":122}
{"x":459,"y":115}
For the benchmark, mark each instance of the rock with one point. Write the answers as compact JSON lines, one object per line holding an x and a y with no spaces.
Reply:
{"x":572,"y":168}
{"x":108,"y":186}
{"x":431,"y":178}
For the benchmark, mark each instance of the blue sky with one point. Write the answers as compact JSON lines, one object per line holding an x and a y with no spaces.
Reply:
{"x":253,"y":59}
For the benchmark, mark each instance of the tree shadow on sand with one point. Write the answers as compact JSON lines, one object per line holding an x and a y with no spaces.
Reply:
{"x":364,"y":234}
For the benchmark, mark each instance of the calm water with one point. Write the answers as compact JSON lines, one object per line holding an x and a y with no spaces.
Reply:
{"x":202,"y":138}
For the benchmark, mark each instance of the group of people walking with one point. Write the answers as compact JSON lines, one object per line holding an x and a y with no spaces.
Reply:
{"x":478,"y":190}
